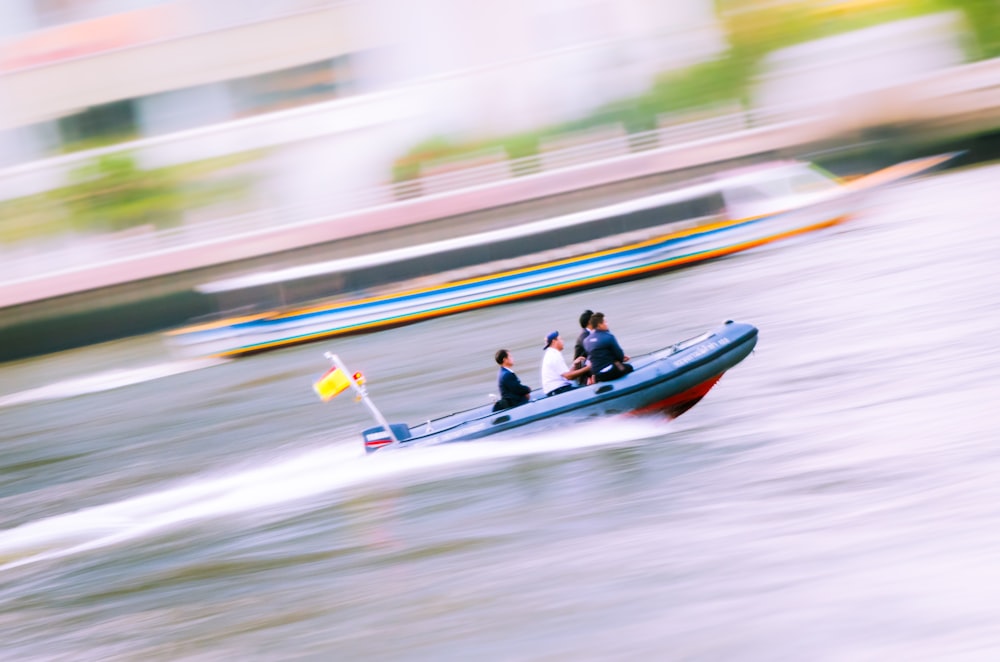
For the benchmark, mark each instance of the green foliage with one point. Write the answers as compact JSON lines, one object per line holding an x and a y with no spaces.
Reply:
{"x":521,"y":145}
{"x":438,"y":148}
{"x":706,"y":84}
{"x":983,"y":17}
{"x":408,"y":166}
{"x":111,"y":193}
{"x":753,"y":30}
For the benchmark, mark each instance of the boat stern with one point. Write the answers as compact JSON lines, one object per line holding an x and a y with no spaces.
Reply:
{"x":377,"y":437}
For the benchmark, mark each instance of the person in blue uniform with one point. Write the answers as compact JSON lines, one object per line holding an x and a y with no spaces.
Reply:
{"x":607,"y":360}
{"x":579,"y":353}
{"x":512,"y":391}
{"x":578,"y":349}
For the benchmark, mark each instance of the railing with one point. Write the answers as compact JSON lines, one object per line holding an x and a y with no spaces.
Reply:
{"x":570,"y":157}
{"x":941,"y":95}
{"x":74,"y":252}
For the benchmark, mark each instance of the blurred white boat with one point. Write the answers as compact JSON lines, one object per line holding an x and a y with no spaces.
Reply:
{"x":728,"y":213}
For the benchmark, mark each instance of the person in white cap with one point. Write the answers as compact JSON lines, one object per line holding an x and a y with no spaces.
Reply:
{"x":556,"y":375}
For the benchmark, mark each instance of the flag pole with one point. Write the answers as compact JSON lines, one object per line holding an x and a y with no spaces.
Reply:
{"x":363,"y":395}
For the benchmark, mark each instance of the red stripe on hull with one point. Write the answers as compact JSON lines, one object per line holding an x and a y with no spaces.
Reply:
{"x":677,"y":404}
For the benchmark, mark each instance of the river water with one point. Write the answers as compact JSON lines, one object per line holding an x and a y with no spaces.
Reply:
{"x":835,"y":497}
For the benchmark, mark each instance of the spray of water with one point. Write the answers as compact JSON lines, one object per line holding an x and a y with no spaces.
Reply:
{"x":336,"y":467}
{"x":105,"y":381}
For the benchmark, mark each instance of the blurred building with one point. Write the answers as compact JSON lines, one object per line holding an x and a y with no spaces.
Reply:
{"x":858,"y":74}
{"x":80,"y":72}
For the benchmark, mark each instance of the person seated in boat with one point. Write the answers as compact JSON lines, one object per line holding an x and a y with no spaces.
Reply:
{"x":578,"y":349}
{"x":556,"y":375}
{"x":512,"y":391}
{"x":579,"y":353}
{"x":607,"y":360}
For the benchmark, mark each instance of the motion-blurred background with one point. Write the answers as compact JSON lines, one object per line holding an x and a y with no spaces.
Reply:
{"x":833,"y":498}
{"x":133,"y":127}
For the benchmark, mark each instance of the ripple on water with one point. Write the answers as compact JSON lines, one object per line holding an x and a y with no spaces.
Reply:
{"x":832,"y":498}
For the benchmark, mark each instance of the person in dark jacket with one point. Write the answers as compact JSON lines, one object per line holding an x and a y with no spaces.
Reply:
{"x":607,"y":360}
{"x":578,"y":349}
{"x":579,"y":353}
{"x":512,"y":391}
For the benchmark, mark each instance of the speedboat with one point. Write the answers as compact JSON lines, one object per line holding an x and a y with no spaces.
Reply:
{"x":666,"y":382}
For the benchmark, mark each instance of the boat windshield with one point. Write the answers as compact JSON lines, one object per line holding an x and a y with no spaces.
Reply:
{"x":775,"y":189}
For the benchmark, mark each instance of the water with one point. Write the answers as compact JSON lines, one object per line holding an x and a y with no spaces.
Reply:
{"x":833,"y":498}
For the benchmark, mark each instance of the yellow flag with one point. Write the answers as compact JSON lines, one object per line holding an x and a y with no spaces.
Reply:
{"x":332,"y":383}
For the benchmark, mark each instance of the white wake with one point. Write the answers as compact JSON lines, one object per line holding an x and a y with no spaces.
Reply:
{"x":339,"y":466}
{"x":104,"y":381}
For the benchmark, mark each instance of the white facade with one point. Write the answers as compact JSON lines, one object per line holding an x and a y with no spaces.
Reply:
{"x":521,"y":62}
{"x":468,"y":69}
{"x":847,"y":73}
{"x":517,"y":65}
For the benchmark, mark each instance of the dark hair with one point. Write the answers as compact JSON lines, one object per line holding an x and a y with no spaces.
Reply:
{"x":500,"y":356}
{"x":596,"y":319}
{"x":585,"y":318}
